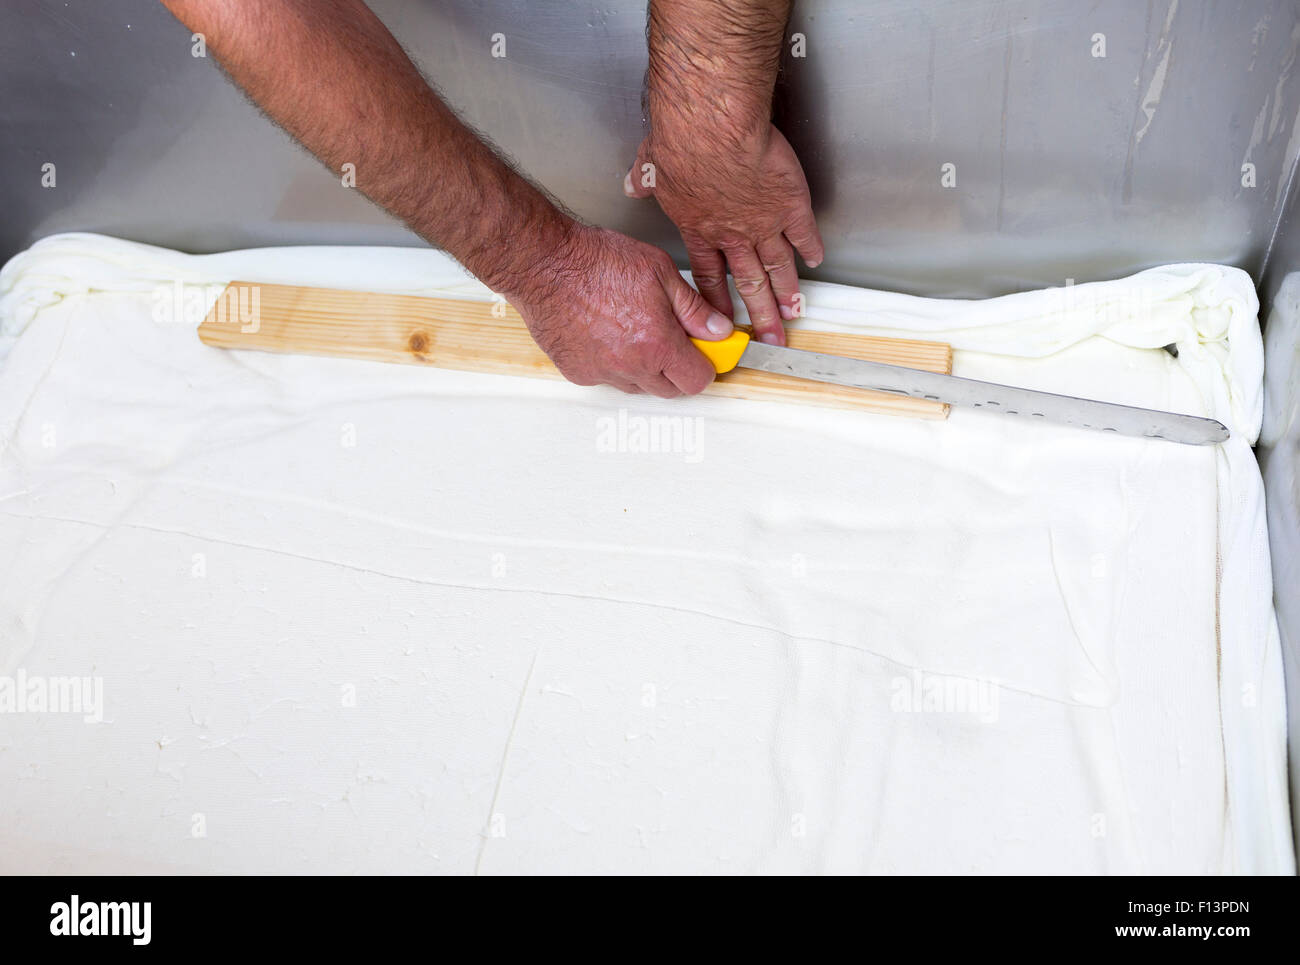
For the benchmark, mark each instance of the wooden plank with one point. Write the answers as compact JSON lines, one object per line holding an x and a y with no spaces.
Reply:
{"x":481,"y":337}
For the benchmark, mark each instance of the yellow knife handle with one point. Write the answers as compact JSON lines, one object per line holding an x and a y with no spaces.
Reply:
{"x":726,"y":352}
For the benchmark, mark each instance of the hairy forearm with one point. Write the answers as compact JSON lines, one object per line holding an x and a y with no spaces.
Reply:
{"x":331,"y":74}
{"x":713,"y":66}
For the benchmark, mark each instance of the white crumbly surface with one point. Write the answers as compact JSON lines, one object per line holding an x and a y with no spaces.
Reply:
{"x":354,"y":617}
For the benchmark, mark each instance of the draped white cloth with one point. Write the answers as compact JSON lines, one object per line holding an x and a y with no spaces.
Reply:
{"x":355,"y":617}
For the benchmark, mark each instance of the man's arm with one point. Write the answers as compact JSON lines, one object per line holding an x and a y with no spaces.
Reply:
{"x":606,"y":308}
{"x":722,"y":172}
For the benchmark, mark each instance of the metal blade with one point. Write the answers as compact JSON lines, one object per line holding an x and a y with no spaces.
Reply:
{"x":990,"y":396}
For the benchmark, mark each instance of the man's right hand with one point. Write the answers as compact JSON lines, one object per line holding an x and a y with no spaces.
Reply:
{"x":609,"y":310}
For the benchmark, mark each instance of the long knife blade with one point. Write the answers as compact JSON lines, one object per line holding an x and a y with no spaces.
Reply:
{"x":990,"y":396}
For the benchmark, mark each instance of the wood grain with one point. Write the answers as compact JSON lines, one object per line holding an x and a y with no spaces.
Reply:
{"x":468,"y":335}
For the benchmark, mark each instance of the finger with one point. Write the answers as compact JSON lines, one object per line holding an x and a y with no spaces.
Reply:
{"x":639,"y":181}
{"x":686,"y":372}
{"x":624,"y":386}
{"x":778,"y":261}
{"x":687,"y":369}
{"x":709,"y":272}
{"x":756,"y":292}
{"x":659,"y":385}
{"x":807,"y":240}
{"x":696,"y":316}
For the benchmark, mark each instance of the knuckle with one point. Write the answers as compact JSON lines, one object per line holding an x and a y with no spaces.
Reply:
{"x":643,"y":366}
{"x":697,"y":382}
{"x":664,"y":361}
{"x":628,"y":372}
{"x":662,"y":261}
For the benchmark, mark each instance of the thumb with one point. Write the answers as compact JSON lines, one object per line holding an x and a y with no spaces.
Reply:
{"x":639,"y":182}
{"x":696,"y":316}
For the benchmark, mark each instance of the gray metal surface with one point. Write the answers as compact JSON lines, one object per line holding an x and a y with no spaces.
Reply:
{"x":1007,"y":400}
{"x":1279,"y":458}
{"x":1067,"y":165}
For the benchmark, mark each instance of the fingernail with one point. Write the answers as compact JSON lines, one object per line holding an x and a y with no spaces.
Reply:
{"x":718,"y":324}
{"x":770,"y":338}
{"x":627,"y":185}
{"x":812,"y":264}
{"x":786,"y":313}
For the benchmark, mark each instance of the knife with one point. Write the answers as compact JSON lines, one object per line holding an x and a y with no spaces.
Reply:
{"x":738,"y":350}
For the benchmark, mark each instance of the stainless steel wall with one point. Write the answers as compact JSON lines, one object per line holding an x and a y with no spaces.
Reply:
{"x":1068,"y":165}
{"x":1279,"y":457}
